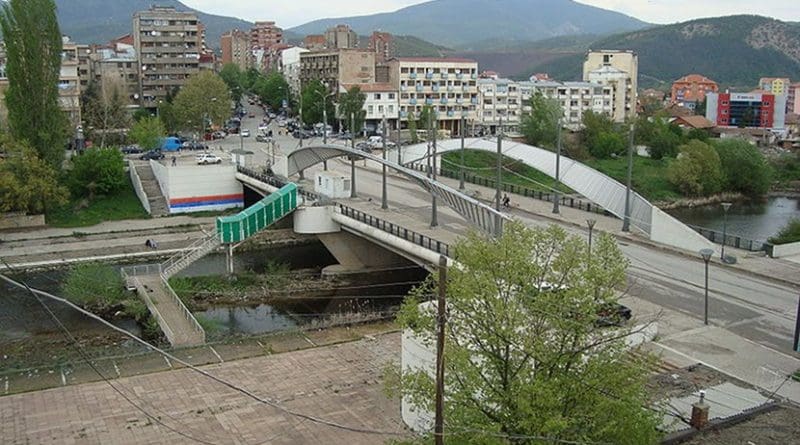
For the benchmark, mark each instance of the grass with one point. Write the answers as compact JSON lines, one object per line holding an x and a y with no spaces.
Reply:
{"x":788,"y":234}
{"x":484,"y":164}
{"x":649,"y":176}
{"x":119,"y":206}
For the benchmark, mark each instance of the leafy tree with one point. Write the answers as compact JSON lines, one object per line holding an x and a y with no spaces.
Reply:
{"x":700,"y":107}
{"x":790,"y":233}
{"x":412,"y":127}
{"x":541,"y":126}
{"x":140,"y":114}
{"x":99,"y":171}
{"x":746,"y":171}
{"x":697,"y":170}
{"x":203,"y":101}
{"x":148,"y":132}
{"x":524,"y":352}
{"x":251,"y":76}
{"x":607,"y":144}
{"x":664,"y":145}
{"x":352,"y":103}
{"x":425,"y":118}
{"x":312,"y":102}
{"x":33,"y":65}
{"x":272,"y":90}
{"x":27,"y":182}
{"x":593,"y":125}
{"x":233,"y":76}
{"x":168,"y":116}
{"x":105,"y":107}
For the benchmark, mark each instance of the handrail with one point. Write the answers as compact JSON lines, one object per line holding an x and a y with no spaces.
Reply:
{"x":732,"y":240}
{"x":184,"y":310}
{"x":139,"y":269}
{"x":168,"y":332}
{"x":187,"y":251}
{"x":398,"y":231}
{"x":274,"y":181}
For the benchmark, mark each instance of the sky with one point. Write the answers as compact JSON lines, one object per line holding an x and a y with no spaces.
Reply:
{"x":292,"y":13}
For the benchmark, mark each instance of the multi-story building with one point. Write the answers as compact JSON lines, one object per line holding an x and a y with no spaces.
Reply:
{"x":341,"y":37}
{"x":235,"y":46}
{"x":290,"y":67}
{"x":69,"y":84}
{"x":774,"y":85}
{"x":619,"y":70}
{"x":118,"y":61}
{"x":382,"y":43}
{"x":168,"y":43}
{"x":314,"y":42}
{"x":343,"y":66}
{"x":265,"y":34}
{"x":447,"y":85}
{"x":689,"y":90}
{"x":751,"y":110}
{"x":793,"y":99}
{"x":380,"y":102}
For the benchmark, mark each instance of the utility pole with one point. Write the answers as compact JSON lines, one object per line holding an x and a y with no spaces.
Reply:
{"x":352,"y":158}
{"x":796,"y":346}
{"x":556,"y":193}
{"x":497,"y":220}
{"x":438,"y":433}
{"x":434,"y":209}
{"x":384,"y":203}
{"x":626,"y":223}
{"x":461,"y":168}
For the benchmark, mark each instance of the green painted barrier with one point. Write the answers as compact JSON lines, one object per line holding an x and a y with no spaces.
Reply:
{"x":257,"y":217}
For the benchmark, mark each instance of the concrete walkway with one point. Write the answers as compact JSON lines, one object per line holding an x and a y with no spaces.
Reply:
{"x":107,"y":227}
{"x":177,"y":323}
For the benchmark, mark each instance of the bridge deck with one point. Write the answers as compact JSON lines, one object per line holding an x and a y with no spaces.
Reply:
{"x":170,"y":314}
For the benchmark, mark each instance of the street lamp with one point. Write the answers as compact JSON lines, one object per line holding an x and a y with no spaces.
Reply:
{"x":590,"y":223}
{"x":384,"y":198}
{"x":557,"y":196}
{"x":725,"y":207}
{"x":706,"y":254}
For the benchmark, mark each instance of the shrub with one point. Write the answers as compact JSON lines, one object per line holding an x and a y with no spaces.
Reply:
{"x":697,"y":170}
{"x":745,"y":168}
{"x":97,"y":171}
{"x":789,"y":234}
{"x":664,"y":145}
{"x":94,"y":285}
{"x":607,"y":144}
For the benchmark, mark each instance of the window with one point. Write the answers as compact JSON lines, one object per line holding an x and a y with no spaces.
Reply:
{"x":370,"y":109}
{"x":380,"y":109}
{"x":391,"y":96}
{"x":377,"y":96}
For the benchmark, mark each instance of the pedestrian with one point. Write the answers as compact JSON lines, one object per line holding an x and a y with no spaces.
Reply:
{"x":174,"y":161}
{"x":506,"y":201}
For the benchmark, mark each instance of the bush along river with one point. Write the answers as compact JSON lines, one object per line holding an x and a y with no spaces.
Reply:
{"x":274,"y":289}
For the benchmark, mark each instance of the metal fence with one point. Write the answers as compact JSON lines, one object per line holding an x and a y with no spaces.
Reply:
{"x":274,"y":181}
{"x":731,"y":240}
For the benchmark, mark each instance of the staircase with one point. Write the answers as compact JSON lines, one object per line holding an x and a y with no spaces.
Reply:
{"x":199,"y":249}
{"x":158,"y":204}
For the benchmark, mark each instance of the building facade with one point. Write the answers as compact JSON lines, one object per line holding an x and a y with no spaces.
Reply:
{"x":774,"y":85}
{"x":290,"y":67}
{"x":620,"y":71}
{"x":382,"y":44}
{"x":692,"y":89}
{"x":314,"y":42}
{"x":235,"y":46}
{"x":118,"y":61}
{"x":380,"y":101}
{"x":69,"y":83}
{"x":344,"y":66}
{"x":752,"y":110}
{"x":793,"y":99}
{"x":448,"y":85}
{"x":168,"y":44}
{"x":341,"y":37}
{"x":265,"y":34}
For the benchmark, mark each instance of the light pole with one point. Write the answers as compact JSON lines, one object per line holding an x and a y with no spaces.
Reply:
{"x":725,"y":207}
{"x":590,"y":223}
{"x":626,"y":223}
{"x":557,"y":196}
{"x":706,"y":254}
{"x":497,"y":219}
{"x":384,"y":199}
{"x":461,"y":167}
{"x":352,"y":159}
{"x":434,"y":209}
{"x":325,"y":97}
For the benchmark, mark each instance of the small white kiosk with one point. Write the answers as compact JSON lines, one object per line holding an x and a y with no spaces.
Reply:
{"x":332,"y":184}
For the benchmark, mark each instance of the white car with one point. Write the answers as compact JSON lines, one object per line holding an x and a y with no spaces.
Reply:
{"x":208,"y":158}
{"x":245,"y":133}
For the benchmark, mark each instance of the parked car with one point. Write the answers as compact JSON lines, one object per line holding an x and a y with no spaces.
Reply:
{"x":261,"y":138}
{"x":152,"y":154}
{"x":302,"y":134}
{"x":245,"y":133}
{"x":170,"y":144}
{"x":364,"y":146}
{"x":613,"y":314}
{"x":208,"y":158}
{"x":131,"y":149}
{"x":219,"y":134}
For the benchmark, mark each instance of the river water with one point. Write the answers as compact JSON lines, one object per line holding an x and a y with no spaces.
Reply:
{"x":757,"y":220}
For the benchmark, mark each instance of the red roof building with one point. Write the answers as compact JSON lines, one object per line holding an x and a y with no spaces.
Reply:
{"x":689,"y":90}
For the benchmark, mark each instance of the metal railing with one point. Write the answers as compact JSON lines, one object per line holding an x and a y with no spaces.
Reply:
{"x":187,"y":252}
{"x":274,"y":181}
{"x":153,"y":307}
{"x":566,"y":201}
{"x":184,"y":310}
{"x":395,"y":230}
{"x":731,"y":240}
{"x":140,"y":269}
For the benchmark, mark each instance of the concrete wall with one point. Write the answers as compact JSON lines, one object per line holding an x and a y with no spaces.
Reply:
{"x":784,"y":250}
{"x":18,"y":221}
{"x":137,"y":186}
{"x":162,"y":176}
{"x":315,"y":220}
{"x":199,"y":188}
{"x":667,"y":230}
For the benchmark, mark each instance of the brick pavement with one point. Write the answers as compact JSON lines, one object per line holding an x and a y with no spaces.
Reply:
{"x":341,"y":383}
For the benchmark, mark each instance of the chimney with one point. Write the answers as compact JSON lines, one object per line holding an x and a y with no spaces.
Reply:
{"x":700,"y":409}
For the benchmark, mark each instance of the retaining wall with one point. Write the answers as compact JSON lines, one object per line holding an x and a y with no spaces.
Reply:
{"x":20,"y":221}
{"x":137,"y":186}
{"x":783,"y":250}
{"x":199,"y":188}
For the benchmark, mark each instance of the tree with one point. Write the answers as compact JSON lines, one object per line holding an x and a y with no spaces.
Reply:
{"x":272,"y":90}
{"x":147,"y":132}
{"x":312,"y":101}
{"x":233,"y":76}
{"x":541,"y":126}
{"x":27,"y":183}
{"x":525,"y":354}
{"x":203,"y":101}
{"x":593,"y":125}
{"x":606,"y":144}
{"x":664,"y":145}
{"x":33,"y":64}
{"x":745,"y":168}
{"x":98,"y":171}
{"x":94,"y":286}
{"x":700,"y":107}
{"x":412,"y":127}
{"x":352,"y":103}
{"x":105,"y":107}
{"x":697,"y":170}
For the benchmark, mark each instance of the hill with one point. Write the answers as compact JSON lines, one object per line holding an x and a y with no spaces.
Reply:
{"x":98,"y":21}
{"x":460,"y":22}
{"x":734,"y":51}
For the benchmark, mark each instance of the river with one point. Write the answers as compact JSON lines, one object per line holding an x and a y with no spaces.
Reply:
{"x":757,"y":220}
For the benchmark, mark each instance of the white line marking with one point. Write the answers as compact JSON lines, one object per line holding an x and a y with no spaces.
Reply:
{"x":6,"y":385}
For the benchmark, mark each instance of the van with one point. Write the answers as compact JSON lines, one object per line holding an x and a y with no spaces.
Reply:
{"x":170,"y":144}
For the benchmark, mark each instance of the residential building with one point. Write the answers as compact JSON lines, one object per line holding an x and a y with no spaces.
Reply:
{"x":117,"y":60}
{"x":382,"y":44}
{"x":750,"y":110}
{"x":235,"y":46}
{"x":169,"y":44}
{"x":84,"y":65}
{"x":343,"y":66}
{"x":314,"y":42}
{"x":381,"y":101}
{"x":272,"y":57}
{"x":690,"y":90}
{"x":793,"y":99}
{"x":618,"y":69}
{"x":69,"y":85}
{"x":263,"y":35}
{"x":540,"y":77}
{"x":449,"y":85}
{"x":290,"y":67}
{"x":774,"y":85}
{"x":341,"y":37}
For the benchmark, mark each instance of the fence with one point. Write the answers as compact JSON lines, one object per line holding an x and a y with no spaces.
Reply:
{"x":730,"y":240}
{"x":248,"y":222}
{"x":393,"y":229}
{"x":566,"y":201}
{"x":183,"y":309}
{"x":274,"y":181}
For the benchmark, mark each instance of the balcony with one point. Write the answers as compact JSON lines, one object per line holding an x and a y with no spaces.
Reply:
{"x":474,"y":76}
{"x":436,"y":88}
{"x":443,"y":100}
{"x":451,"y":88}
{"x":474,"y":101}
{"x":451,"y":113}
{"x":403,"y":87}
{"x":459,"y":101}
{"x":445,"y":76}
{"x":412,"y":101}
{"x":412,"y":75}
{"x":459,"y":76}
{"x":428,"y":101}
{"x":419,"y":88}
{"x":404,"y":114}
{"x":429,"y":76}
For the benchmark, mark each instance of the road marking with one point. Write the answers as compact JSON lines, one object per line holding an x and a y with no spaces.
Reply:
{"x":309,"y":341}
{"x":215,"y":353}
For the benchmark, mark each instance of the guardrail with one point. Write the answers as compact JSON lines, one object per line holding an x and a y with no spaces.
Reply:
{"x":736,"y":241}
{"x":168,"y":332}
{"x":185,"y":252}
{"x":141,"y":269}
{"x":393,"y":229}
{"x":274,"y":181}
{"x":566,"y":201}
{"x":184,"y":310}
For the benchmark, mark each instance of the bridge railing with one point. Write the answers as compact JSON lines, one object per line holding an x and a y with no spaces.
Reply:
{"x":274,"y":181}
{"x":139,"y":269}
{"x":393,"y":229}
{"x":187,"y":314}
{"x":731,"y":240}
{"x":566,"y":201}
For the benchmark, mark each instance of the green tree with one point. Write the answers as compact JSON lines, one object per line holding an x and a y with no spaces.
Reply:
{"x":140,"y":114}
{"x":745,"y":168}
{"x":524,"y":352}
{"x":147,"y":132}
{"x":233,"y":76}
{"x":251,"y":77}
{"x":33,"y":64}
{"x":105,"y":107}
{"x":273,"y":90}
{"x":541,"y":126}
{"x":700,"y":107}
{"x":312,"y":102}
{"x":697,"y":170}
{"x":664,"y":144}
{"x":97,"y":172}
{"x":595,"y":124}
{"x":202,"y":102}
{"x":27,"y":183}
{"x":412,"y":127}
{"x":606,"y":144}
{"x":352,"y":103}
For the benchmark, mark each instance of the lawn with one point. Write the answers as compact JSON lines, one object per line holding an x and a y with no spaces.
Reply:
{"x":122,"y":205}
{"x":649,"y":176}
{"x":484,"y":164}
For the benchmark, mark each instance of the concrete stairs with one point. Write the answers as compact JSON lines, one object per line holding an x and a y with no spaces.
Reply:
{"x":181,"y":261}
{"x":158,"y":204}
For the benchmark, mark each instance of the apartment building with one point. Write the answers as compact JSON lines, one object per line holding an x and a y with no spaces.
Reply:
{"x":235,"y":46}
{"x":341,"y":37}
{"x":750,"y":110}
{"x":69,"y":83}
{"x":314,"y":42}
{"x":263,"y":35}
{"x":618,"y":69}
{"x":449,"y":85}
{"x":168,"y":43}
{"x":774,"y":85}
{"x":380,"y":101}
{"x":118,"y":61}
{"x":382,"y":44}
{"x":343,"y":66}
{"x":290,"y":67}
{"x":691,"y":89}
{"x":793,"y":99}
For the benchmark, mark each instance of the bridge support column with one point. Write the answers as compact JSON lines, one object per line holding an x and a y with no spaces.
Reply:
{"x":229,"y":259}
{"x":356,"y":254}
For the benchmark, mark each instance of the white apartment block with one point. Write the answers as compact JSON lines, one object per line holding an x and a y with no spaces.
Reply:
{"x":290,"y":67}
{"x":381,"y":101}
{"x":448,"y":85}
{"x":620,"y":71}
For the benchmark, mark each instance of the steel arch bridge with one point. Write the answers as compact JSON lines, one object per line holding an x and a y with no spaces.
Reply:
{"x":486,"y":218}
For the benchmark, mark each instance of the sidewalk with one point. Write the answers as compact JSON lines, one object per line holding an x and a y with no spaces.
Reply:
{"x":108,"y":227}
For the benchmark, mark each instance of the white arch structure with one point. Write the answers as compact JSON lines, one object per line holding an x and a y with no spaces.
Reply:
{"x":595,"y":186}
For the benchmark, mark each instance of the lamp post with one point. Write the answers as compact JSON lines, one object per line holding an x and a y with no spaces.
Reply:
{"x":706,"y":254}
{"x":461,"y":167}
{"x":590,"y":223}
{"x":384,"y":198}
{"x":498,"y":231}
{"x":556,"y":194}
{"x":434,"y":209}
{"x":352,"y":160}
{"x":725,"y":207}
{"x":325,"y":97}
{"x":626,"y":223}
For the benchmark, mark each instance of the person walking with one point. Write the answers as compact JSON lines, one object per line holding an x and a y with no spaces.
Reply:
{"x":506,"y":201}
{"x":174,"y":161}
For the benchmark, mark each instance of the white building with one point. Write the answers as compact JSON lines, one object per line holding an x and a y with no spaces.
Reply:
{"x":381,"y":101}
{"x":620,"y":71}
{"x":290,"y":67}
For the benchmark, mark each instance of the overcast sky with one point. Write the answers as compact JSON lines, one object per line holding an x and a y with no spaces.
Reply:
{"x":292,"y":13}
